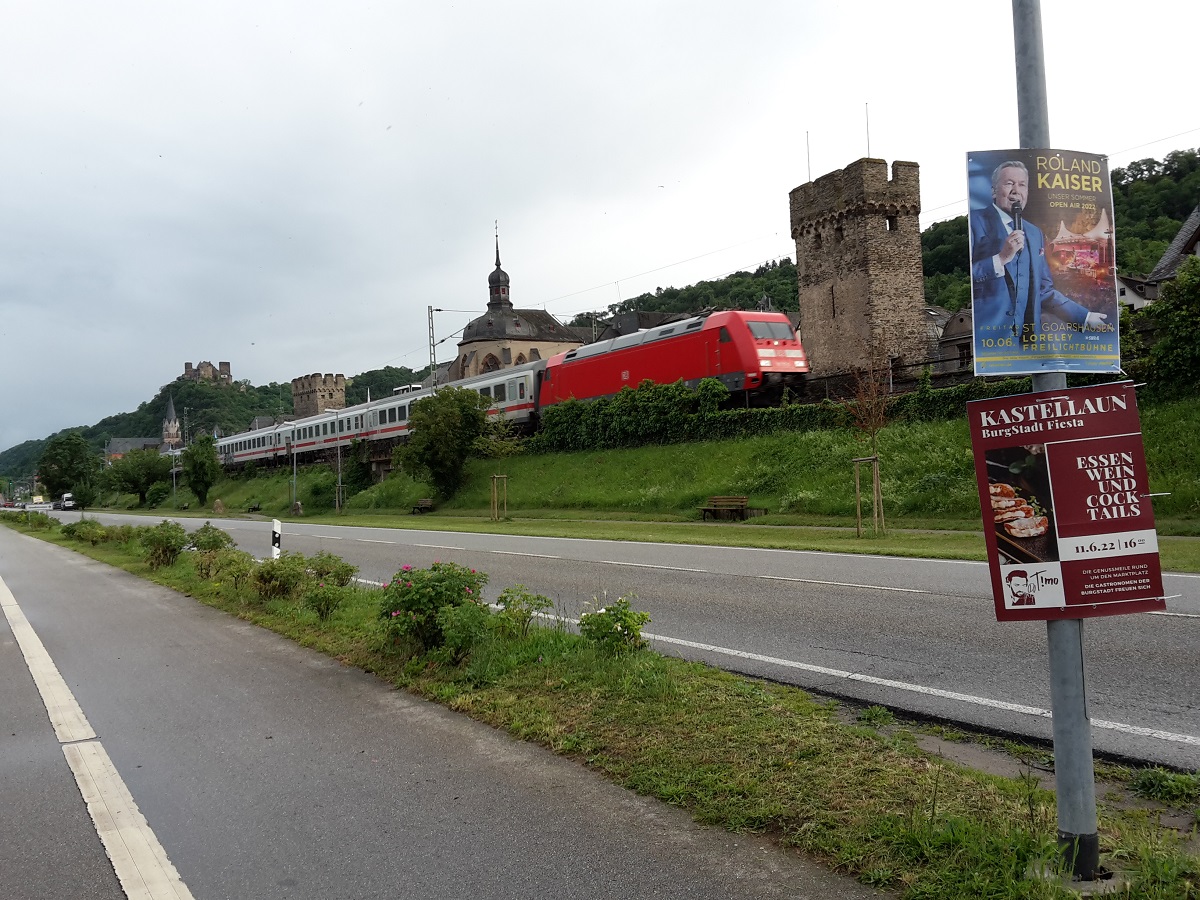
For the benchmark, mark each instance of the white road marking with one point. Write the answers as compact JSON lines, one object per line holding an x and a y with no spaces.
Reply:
{"x":371,"y":541}
{"x":439,"y":547}
{"x":68,"y":719}
{"x":137,"y":857}
{"x":870,"y":587}
{"x":140,"y":862}
{"x":516,"y":553}
{"x":614,"y":562}
{"x":1177,"y":615}
{"x":921,"y":689}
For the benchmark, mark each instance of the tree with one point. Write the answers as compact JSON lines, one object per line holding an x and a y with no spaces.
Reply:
{"x":1174,"y":367}
{"x":201,"y":466}
{"x":137,"y":470}
{"x":444,"y":427}
{"x":66,"y":463}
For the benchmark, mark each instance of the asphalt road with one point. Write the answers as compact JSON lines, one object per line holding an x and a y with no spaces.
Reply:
{"x":914,"y":635}
{"x":264,"y":770}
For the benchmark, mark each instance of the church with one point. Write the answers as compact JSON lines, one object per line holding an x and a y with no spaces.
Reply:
{"x":504,"y":337}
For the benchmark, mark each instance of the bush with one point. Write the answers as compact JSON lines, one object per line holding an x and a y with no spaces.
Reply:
{"x":87,"y":531}
{"x":324,"y":598}
{"x":274,"y":579}
{"x":158,"y":492}
{"x":462,"y":628}
{"x":38,"y":521}
{"x":518,"y":607}
{"x":331,"y":569}
{"x":615,"y":627}
{"x":209,"y":538}
{"x":235,"y":566}
{"x":119,"y":534}
{"x":413,"y":598}
{"x":163,"y":542}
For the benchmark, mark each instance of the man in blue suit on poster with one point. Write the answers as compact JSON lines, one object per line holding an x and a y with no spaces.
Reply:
{"x":1012,"y":288}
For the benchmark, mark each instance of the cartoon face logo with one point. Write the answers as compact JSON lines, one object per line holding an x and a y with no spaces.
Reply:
{"x":1020,"y":588}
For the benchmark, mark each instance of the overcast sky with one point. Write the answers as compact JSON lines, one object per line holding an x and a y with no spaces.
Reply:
{"x":289,"y":185}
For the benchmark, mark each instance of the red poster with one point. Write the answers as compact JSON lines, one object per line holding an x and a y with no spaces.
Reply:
{"x":1065,"y":497}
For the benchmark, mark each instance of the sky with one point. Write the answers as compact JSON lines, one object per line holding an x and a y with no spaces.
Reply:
{"x":290,"y":186}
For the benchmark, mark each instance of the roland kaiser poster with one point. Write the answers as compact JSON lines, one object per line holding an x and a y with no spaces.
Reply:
{"x":1065,"y":493}
{"x":1043,"y":272}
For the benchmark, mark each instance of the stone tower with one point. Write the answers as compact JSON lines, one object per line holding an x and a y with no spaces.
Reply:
{"x":858,"y":264}
{"x":313,"y":394}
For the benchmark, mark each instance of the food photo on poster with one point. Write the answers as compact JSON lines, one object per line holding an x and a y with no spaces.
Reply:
{"x":1063,"y":484}
{"x":1043,"y":269}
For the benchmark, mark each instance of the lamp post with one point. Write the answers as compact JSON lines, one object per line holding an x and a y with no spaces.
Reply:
{"x":337,"y":443}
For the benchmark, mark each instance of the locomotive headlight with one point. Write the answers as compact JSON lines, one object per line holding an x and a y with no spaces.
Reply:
{"x":794,"y":353}
{"x":763,"y":353}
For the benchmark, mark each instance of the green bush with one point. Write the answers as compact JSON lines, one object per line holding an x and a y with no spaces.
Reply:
{"x":463,"y":626}
{"x":163,"y":543}
{"x":324,"y":566}
{"x":119,"y":534}
{"x":87,"y":531}
{"x":158,"y":492}
{"x":235,"y":566}
{"x":615,"y":627}
{"x":39,"y":521}
{"x":518,"y":606}
{"x":324,"y":598}
{"x":413,"y":598}
{"x":209,"y":538}
{"x":275,"y":579}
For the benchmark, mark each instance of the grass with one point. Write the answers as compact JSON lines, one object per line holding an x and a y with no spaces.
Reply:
{"x":852,"y":789}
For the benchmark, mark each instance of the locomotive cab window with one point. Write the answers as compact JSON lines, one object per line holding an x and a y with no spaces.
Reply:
{"x":771,"y":331}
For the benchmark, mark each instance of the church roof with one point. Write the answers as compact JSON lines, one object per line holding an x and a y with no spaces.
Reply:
{"x":518,"y":324}
{"x":170,"y":416}
{"x":1181,"y":248}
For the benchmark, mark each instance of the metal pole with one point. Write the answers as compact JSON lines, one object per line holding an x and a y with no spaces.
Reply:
{"x":1075,"y":777}
{"x":338,"y":445}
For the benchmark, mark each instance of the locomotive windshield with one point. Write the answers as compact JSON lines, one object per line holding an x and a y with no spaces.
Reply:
{"x":778,"y":331}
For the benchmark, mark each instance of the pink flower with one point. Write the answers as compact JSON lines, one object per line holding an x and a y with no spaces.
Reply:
{"x":406,"y":568}
{"x":386,"y":585}
{"x":468,"y":590}
{"x":395,"y":613}
{"x":408,"y":584}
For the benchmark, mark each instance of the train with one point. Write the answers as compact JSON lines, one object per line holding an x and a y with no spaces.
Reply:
{"x":756,"y":355}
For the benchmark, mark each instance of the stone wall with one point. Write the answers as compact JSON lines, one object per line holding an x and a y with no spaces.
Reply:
{"x":206,"y":371}
{"x":313,"y":394}
{"x":858,"y":264}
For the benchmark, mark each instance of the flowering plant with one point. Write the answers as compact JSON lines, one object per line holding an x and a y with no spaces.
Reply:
{"x":413,"y":598}
{"x":615,"y":627}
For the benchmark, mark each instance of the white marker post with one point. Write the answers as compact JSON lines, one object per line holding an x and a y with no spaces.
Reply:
{"x":276,"y":533}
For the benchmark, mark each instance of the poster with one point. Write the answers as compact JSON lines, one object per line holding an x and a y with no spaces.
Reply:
{"x":1067,"y":517}
{"x":1043,"y":268}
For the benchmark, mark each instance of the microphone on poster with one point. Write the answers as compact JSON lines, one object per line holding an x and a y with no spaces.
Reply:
{"x":1016,"y":214}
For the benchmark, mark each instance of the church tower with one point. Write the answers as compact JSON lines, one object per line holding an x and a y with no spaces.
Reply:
{"x":504,"y":337}
{"x":171,"y":437}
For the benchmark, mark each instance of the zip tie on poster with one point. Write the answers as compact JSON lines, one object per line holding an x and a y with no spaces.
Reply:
{"x":1159,"y":494}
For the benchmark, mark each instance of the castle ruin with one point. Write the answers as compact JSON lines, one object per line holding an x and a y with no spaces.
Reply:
{"x":313,"y":394}
{"x":205,"y":371}
{"x":858,"y":264}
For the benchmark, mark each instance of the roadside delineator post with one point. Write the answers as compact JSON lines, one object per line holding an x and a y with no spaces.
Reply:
{"x":276,"y":534}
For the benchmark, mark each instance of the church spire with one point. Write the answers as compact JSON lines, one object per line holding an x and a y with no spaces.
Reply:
{"x":498,"y":299}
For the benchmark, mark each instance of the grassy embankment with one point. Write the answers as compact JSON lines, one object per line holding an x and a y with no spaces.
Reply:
{"x":870,"y":796}
{"x":803,"y":481}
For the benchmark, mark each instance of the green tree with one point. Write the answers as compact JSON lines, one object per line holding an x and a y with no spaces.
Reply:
{"x":1174,"y":367}
{"x":67,"y":462}
{"x":137,"y":470}
{"x":201,"y":467}
{"x":444,"y":428}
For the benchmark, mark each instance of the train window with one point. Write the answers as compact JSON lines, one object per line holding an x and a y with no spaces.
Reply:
{"x":403,"y":413}
{"x":485,"y":392}
{"x":521,"y":389}
{"x":324,"y":428}
{"x":725,"y":338}
{"x":778,"y":331}
{"x":512,"y":390}
{"x":499,"y":392}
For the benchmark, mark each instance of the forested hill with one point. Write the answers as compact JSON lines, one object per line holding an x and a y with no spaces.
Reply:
{"x":1151,"y":201}
{"x":202,"y":406}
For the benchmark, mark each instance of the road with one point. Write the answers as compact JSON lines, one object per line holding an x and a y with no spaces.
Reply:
{"x":914,"y":635}
{"x":222,"y":761}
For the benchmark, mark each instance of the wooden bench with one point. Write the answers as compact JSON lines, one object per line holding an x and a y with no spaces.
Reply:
{"x":421,"y":506}
{"x":725,"y":508}
{"x":256,"y":507}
